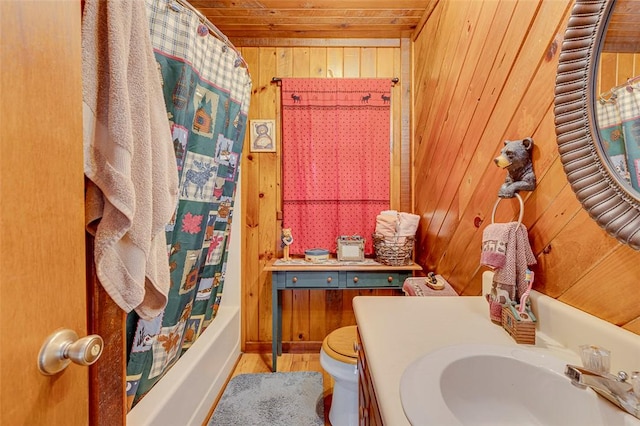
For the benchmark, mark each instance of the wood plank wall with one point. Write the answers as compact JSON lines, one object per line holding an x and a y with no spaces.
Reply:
{"x":616,"y":69}
{"x":308,"y":316}
{"x":485,"y":72}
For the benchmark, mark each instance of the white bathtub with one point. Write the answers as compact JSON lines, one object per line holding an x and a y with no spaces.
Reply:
{"x":187,"y":392}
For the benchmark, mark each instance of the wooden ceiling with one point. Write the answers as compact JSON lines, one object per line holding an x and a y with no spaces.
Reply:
{"x":324,"y":19}
{"x":365,"y":19}
{"x":623,"y":32}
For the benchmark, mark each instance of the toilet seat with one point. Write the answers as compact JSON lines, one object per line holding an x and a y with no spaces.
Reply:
{"x":340,"y":345}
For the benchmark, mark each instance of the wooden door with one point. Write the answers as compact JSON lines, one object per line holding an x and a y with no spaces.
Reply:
{"x":42,"y":258}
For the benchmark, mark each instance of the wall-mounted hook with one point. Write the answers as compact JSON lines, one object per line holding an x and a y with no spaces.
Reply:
{"x":515,"y":157}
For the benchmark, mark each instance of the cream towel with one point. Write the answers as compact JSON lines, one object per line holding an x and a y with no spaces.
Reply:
{"x":128,"y":156}
{"x":386,"y":225}
{"x":407,"y":224}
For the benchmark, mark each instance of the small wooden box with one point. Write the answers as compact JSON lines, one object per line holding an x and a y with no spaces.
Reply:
{"x":522,"y":327}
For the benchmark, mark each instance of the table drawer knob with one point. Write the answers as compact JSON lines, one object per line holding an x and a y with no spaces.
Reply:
{"x":329,"y":279}
{"x":356,"y":279}
{"x":390,"y":279}
{"x":294,"y":279}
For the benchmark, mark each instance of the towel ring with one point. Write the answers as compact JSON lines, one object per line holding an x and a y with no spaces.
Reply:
{"x":495,"y":207}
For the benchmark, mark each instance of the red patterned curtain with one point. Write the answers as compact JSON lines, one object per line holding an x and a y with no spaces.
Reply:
{"x":336,"y":159}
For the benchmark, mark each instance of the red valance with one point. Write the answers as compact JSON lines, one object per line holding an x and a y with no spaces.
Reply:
{"x":336,"y":158}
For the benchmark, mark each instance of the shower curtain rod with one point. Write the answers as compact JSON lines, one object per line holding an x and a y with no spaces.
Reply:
{"x":213,"y":29}
{"x":394,"y":80}
{"x":612,"y":91}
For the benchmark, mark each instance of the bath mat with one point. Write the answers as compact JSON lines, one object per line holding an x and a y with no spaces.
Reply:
{"x":285,"y":399}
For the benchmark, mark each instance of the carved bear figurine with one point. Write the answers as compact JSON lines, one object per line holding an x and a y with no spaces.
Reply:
{"x":515,"y":157}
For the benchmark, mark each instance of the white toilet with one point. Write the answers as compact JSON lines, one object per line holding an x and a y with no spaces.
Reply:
{"x":339,"y":358}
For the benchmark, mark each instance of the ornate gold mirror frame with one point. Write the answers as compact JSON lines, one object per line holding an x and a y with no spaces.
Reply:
{"x":610,"y":204}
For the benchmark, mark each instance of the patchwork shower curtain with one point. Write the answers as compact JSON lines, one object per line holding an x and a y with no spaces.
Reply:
{"x":336,"y":159}
{"x":207,"y":94}
{"x":619,"y":127}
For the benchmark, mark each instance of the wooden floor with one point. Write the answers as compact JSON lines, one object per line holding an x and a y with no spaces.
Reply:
{"x":261,"y":363}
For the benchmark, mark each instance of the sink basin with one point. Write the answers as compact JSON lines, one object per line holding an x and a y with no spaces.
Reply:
{"x":499,"y":385}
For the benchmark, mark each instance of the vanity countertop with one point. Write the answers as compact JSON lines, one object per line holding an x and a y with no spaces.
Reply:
{"x":396,"y":331}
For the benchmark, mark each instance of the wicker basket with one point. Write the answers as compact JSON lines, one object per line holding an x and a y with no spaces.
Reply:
{"x":393,"y":251}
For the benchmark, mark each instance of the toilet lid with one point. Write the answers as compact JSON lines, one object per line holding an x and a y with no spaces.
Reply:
{"x":339,"y":344}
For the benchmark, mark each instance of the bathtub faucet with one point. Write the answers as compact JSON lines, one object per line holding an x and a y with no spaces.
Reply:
{"x":625,"y":394}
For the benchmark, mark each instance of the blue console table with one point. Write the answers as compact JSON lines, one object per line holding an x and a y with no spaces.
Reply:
{"x":296,"y":274}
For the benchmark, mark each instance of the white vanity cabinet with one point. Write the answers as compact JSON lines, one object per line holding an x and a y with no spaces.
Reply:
{"x":396,"y":331}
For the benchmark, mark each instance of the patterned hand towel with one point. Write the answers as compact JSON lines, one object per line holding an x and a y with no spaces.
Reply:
{"x":519,"y":256}
{"x":494,"y":244}
{"x":129,"y":157}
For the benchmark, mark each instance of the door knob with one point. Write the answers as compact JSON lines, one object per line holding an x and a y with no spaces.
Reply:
{"x":63,"y":347}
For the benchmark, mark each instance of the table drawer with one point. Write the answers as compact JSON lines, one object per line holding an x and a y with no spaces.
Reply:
{"x":328,"y":279}
{"x":375,"y":279}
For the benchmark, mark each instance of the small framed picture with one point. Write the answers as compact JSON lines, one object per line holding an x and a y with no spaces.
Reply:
{"x":263,"y":135}
{"x":350,"y":248}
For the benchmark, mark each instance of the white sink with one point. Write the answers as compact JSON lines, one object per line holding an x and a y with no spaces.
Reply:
{"x":499,"y":385}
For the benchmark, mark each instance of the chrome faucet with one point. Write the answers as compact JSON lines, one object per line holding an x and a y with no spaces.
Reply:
{"x":616,"y":389}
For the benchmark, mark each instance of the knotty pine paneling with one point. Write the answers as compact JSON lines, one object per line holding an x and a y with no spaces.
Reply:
{"x":615,"y":69}
{"x":308,"y":316}
{"x":484,"y":72}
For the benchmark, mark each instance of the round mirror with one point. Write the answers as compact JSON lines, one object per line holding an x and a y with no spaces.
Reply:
{"x":598,"y":149}
{"x":617,"y":101}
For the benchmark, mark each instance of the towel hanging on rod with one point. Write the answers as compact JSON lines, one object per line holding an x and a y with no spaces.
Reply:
{"x":495,"y":237}
{"x":506,"y":248}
